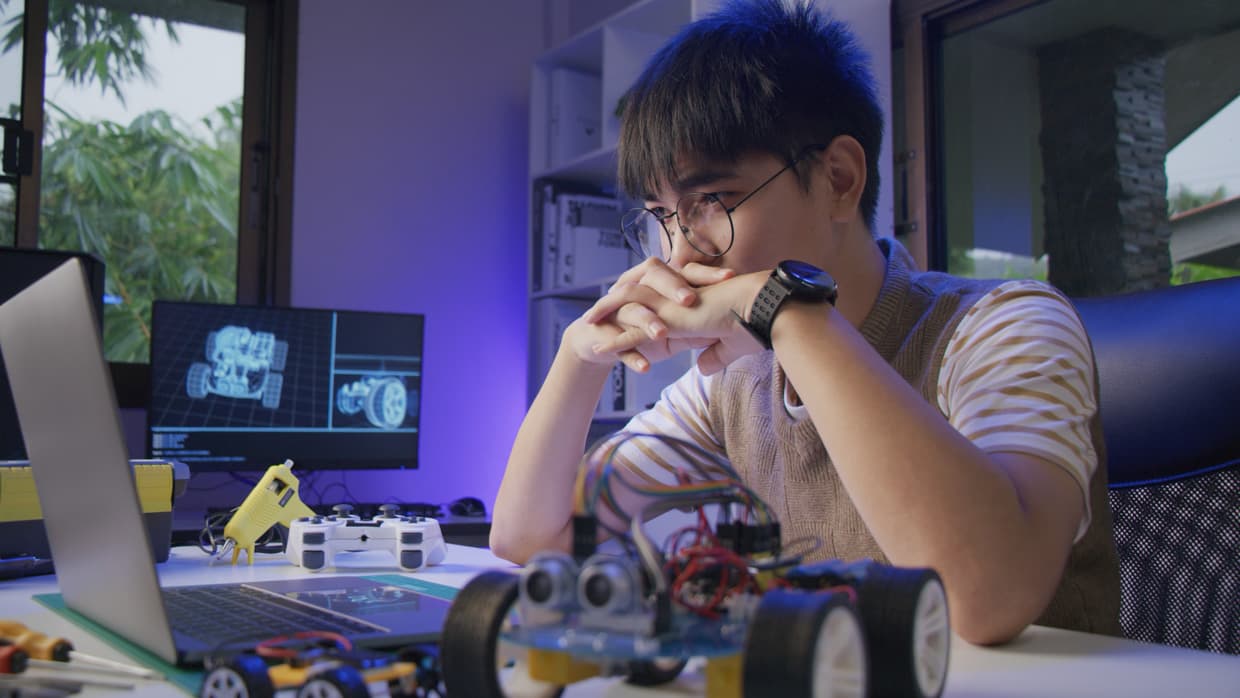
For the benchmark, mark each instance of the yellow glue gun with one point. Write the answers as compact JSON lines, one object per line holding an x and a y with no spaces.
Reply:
{"x":272,"y":501}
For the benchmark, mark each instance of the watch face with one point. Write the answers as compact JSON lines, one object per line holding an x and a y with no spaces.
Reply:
{"x":807,"y":277}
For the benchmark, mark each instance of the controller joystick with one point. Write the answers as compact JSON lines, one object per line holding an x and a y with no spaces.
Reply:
{"x":389,"y":511}
{"x":415,"y":542}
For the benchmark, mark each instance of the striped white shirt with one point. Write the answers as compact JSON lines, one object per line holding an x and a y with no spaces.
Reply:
{"x":1017,"y":376}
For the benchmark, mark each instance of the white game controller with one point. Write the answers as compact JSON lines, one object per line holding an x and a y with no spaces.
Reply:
{"x":415,"y":541}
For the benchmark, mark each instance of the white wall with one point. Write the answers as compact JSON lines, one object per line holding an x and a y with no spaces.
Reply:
{"x":410,"y":196}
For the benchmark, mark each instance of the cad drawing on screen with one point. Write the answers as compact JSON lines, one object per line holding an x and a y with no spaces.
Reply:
{"x":383,"y":399}
{"x":242,"y":364}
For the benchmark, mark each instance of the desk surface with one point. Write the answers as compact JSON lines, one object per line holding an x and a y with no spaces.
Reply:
{"x":1041,"y":662}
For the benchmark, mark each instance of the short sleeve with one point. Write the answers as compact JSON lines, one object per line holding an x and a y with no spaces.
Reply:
{"x":1018,"y":376}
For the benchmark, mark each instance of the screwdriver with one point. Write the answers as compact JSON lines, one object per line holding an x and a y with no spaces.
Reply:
{"x":42,"y":647}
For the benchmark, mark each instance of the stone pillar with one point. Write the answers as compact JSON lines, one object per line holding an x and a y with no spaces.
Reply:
{"x":1104,"y":148}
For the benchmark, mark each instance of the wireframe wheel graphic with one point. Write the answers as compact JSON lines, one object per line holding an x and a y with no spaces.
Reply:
{"x":472,"y":653}
{"x":385,"y":403}
{"x":244,"y":676}
{"x":279,"y":356}
{"x":271,"y":390}
{"x":805,"y":644}
{"x":198,"y":380}
{"x":907,"y":626}
{"x":337,"y":682}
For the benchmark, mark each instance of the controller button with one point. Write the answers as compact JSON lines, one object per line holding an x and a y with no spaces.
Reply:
{"x":313,"y":538}
{"x":410,"y":537}
{"x":411,"y":558}
{"x":313,"y":559}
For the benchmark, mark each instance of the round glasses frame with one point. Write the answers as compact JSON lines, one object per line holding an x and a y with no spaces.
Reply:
{"x":694,"y":211}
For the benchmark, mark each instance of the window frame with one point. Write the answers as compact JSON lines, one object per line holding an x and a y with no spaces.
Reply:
{"x":919,"y":26}
{"x":264,"y":226}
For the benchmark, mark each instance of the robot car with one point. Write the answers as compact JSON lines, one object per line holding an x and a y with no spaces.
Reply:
{"x":731,"y":594}
{"x":322,"y":665}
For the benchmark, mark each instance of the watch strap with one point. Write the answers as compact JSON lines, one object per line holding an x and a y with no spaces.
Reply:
{"x":762,"y":315}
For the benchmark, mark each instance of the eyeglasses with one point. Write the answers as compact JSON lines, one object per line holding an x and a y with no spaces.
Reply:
{"x":702,"y":218}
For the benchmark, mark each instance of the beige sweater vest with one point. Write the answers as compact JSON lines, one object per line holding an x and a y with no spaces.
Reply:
{"x":789,"y":467}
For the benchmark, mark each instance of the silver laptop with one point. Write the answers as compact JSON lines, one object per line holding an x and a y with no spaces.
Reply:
{"x":104,"y":564}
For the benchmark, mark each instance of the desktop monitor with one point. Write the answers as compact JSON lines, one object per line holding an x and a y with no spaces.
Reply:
{"x":18,"y":269}
{"x":239,"y":388}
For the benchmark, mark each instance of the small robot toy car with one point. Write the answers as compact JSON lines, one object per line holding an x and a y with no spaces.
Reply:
{"x":322,"y":665}
{"x":765,"y":624}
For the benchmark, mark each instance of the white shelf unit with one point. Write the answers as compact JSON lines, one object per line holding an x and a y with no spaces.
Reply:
{"x":614,"y":52}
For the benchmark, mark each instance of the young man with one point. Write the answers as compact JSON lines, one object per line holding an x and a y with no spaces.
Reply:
{"x":918,"y":418}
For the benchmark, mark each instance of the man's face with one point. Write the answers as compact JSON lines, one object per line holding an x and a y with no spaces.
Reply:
{"x":779,"y":221}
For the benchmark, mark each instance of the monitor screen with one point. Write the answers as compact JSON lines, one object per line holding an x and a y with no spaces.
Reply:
{"x":19,"y":269}
{"x":239,"y":388}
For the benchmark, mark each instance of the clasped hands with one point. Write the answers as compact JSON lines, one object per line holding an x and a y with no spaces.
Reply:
{"x":654,"y":312}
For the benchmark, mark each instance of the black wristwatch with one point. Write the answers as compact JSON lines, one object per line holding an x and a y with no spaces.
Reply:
{"x":790,"y":279}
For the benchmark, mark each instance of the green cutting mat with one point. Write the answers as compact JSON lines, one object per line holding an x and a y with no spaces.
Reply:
{"x":190,"y":679}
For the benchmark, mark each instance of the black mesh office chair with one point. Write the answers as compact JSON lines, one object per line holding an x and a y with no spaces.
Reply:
{"x":1169,"y":381}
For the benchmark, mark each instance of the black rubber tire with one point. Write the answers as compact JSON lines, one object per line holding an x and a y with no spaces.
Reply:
{"x":654,"y":673}
{"x":887,"y":598}
{"x":470,"y":633}
{"x":781,"y":648}
{"x":243,"y":676}
{"x":337,"y":682}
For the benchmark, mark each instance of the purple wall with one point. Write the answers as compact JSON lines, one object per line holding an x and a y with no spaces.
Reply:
{"x":411,"y":196}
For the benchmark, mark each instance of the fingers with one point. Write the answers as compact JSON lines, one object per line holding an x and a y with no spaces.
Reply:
{"x":703,"y":275}
{"x":678,"y":286}
{"x":624,"y":341}
{"x":634,"y":360}
{"x":624,"y":294}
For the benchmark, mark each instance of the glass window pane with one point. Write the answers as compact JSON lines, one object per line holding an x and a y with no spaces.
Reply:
{"x":11,"y":15}
{"x":141,"y":153}
{"x":1080,"y":142}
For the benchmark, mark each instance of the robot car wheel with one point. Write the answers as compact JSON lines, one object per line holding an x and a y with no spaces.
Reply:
{"x":904,"y":611}
{"x":470,"y":643}
{"x":805,"y":645}
{"x":243,"y":676}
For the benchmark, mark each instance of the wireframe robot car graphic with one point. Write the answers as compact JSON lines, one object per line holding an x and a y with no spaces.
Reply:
{"x":383,"y":399}
{"x":241,"y":364}
{"x":765,"y":623}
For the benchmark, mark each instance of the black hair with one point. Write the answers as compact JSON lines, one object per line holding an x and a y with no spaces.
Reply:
{"x":757,"y":75}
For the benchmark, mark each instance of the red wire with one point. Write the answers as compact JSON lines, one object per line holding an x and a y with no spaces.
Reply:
{"x":268,"y":648}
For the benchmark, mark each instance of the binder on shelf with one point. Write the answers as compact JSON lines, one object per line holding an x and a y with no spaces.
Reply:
{"x":628,"y":392}
{"x":551,"y":317}
{"x":545,"y":224}
{"x":590,"y":246}
{"x":575,"y":111}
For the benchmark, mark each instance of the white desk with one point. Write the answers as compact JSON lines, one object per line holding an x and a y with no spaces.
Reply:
{"x":1041,"y":662}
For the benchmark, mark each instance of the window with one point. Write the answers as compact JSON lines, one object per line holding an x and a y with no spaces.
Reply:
{"x":1078,"y":142}
{"x":155,"y":118}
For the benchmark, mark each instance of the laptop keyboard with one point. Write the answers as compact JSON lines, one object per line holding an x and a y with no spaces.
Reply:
{"x":228,"y":614}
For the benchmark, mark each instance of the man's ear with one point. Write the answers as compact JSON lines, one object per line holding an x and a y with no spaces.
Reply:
{"x":843,"y":165}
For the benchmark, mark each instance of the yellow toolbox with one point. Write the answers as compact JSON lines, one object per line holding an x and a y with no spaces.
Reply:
{"x":21,"y":517}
